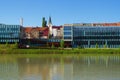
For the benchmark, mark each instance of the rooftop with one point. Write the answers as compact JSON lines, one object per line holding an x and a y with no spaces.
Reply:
{"x":93,"y":24}
{"x":29,"y":29}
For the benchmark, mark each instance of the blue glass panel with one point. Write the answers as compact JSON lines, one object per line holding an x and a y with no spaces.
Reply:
{"x":67,"y":37}
{"x":105,"y":34}
{"x":67,"y":28}
{"x":67,"y":33}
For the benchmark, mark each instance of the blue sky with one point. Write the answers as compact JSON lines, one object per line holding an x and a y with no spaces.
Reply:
{"x":61,"y":11}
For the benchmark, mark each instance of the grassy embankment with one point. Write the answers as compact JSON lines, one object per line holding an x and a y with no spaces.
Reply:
{"x":12,"y":49}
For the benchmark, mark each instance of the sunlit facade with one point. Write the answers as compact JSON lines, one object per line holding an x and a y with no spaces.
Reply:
{"x":68,"y":33}
{"x":9,"y":33}
{"x":92,"y":36}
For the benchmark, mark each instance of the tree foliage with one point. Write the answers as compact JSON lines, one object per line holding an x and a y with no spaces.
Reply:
{"x":15,"y":45}
{"x":53,"y":46}
{"x":79,"y":47}
{"x":62,"y":43}
{"x":6,"y":44}
{"x":44,"y":22}
{"x":96,"y":45}
{"x":105,"y":45}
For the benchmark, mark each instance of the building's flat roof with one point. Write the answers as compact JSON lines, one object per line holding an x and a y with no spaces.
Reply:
{"x":94,"y":24}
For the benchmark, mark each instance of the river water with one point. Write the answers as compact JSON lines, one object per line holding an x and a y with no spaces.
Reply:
{"x":60,"y":68}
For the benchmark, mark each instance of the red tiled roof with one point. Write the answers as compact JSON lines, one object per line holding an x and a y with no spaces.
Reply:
{"x":58,"y":27}
{"x":118,"y":24}
{"x":46,"y":32}
{"x":27,"y":29}
{"x":44,"y":29}
{"x":107,"y":24}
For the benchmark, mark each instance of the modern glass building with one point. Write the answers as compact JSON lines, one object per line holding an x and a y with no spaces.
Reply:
{"x":89,"y":36}
{"x":9,"y":33}
{"x":68,"y":32}
{"x":68,"y":35}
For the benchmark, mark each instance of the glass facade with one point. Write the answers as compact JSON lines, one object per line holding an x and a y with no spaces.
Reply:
{"x":68,"y":33}
{"x":90,"y":36}
{"x":9,"y":33}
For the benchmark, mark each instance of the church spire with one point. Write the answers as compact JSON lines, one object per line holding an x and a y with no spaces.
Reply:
{"x":50,"y":21}
{"x":50,"y":26}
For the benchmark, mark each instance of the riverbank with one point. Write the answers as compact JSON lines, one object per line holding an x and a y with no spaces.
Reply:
{"x":58,"y":57}
{"x":60,"y":51}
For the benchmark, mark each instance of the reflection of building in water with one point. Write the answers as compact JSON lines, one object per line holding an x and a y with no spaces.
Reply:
{"x":106,"y":60}
{"x":67,"y":68}
{"x":70,"y":68}
{"x":9,"y":71}
{"x":56,"y":72}
{"x":33,"y":67}
{"x":61,"y":69}
{"x":68,"y":72}
{"x":46,"y":69}
{"x":96,"y":67}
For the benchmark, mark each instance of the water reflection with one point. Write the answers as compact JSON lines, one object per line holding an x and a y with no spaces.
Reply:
{"x":62,"y":68}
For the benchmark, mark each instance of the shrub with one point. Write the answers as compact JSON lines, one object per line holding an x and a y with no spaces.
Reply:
{"x":52,"y":46}
{"x":96,"y":45}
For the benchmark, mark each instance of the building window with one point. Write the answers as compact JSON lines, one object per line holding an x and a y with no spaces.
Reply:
{"x":67,"y":33}
{"x":67,"y":28}
{"x":67,"y":37}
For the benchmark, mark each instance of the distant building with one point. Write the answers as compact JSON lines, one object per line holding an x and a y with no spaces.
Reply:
{"x":36,"y":33}
{"x":50,"y":26}
{"x":104,"y":35}
{"x":55,"y":32}
{"x":106,"y":24}
{"x":10,"y":33}
{"x":27,"y":33}
{"x":44,"y":33}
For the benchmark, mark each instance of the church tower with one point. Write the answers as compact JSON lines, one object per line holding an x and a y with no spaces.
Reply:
{"x":50,"y":26}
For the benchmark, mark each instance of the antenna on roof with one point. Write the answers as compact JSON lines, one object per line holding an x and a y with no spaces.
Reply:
{"x":21,"y":21}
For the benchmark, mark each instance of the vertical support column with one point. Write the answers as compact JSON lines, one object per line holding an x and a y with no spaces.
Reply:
{"x":84,"y":33}
{"x":88,"y":43}
{"x":72,"y":41}
{"x":72,"y":33}
{"x":106,"y":43}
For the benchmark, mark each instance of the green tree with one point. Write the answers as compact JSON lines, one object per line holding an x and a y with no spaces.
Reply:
{"x":44,"y":22}
{"x":105,"y":45}
{"x":62,"y":43}
{"x":15,"y":45}
{"x":96,"y":45}
{"x":7,"y":45}
{"x":53,"y":46}
{"x":78,"y":47}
